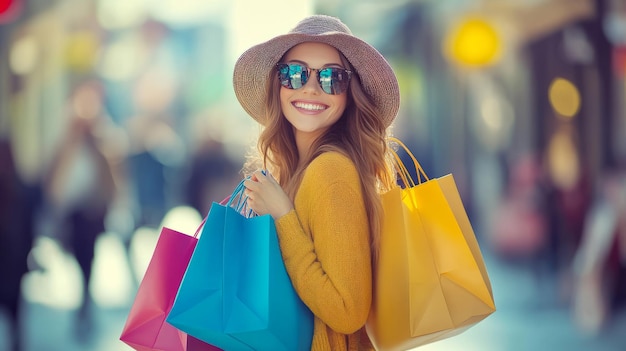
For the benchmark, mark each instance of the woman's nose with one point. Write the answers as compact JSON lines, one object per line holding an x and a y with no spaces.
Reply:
{"x":312,"y":85}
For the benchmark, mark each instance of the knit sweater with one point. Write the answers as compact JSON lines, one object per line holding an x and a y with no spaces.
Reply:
{"x":324,"y":241}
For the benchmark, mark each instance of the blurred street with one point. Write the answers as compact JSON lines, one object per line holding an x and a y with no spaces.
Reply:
{"x":119,"y":117}
{"x":527,"y":319}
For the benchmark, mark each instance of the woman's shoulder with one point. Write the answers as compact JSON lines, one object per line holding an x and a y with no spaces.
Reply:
{"x":332,"y":165}
{"x":332,"y":160}
{"x":330,"y":174}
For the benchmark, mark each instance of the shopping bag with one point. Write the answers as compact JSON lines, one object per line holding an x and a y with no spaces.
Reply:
{"x":236,"y":293}
{"x":430,"y":280}
{"x":146,"y":328}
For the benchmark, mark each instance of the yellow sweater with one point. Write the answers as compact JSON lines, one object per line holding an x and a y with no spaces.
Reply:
{"x":325,"y":246}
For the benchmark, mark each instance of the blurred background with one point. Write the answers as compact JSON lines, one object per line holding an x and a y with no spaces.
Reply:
{"x":118,"y":117}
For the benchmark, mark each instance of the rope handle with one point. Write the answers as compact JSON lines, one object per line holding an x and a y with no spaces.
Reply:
{"x":237,"y":201}
{"x":200,"y":227}
{"x":404,"y":173}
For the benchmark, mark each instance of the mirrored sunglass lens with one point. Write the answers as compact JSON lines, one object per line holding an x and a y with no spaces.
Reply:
{"x":283,"y":75}
{"x":333,"y":80}
{"x":326,"y":80}
{"x":298,"y":76}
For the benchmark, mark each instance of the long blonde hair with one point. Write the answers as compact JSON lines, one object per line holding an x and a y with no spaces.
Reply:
{"x":359,"y":134}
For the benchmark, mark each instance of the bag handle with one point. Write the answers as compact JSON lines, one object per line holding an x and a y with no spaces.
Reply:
{"x":200,"y":227}
{"x":239,"y":201}
{"x":235,"y":201}
{"x":404,"y":173}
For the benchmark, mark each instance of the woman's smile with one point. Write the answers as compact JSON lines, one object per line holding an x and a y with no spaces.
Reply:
{"x":309,"y":107}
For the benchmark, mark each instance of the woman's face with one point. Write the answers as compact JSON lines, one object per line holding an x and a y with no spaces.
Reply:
{"x":310,"y":110}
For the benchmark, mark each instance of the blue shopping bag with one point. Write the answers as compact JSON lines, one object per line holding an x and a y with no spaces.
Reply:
{"x":236,"y":293}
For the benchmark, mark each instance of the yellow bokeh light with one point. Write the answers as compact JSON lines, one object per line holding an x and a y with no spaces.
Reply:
{"x":564,"y":97}
{"x":474,"y":42}
{"x":563,"y":159}
{"x":82,"y":51}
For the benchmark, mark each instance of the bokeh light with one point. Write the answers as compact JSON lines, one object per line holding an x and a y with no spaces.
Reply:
{"x":121,"y":14}
{"x":564,"y":97}
{"x":182,"y":13}
{"x":24,"y":54}
{"x":9,"y":10}
{"x":5,"y":5}
{"x":82,"y":51}
{"x":122,"y":59}
{"x":473,"y":42}
{"x":497,"y":117}
{"x":563,"y":159}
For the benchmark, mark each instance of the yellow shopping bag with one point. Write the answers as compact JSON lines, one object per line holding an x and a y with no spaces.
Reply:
{"x":430,"y":281}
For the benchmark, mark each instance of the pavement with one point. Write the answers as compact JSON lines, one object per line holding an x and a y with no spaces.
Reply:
{"x":528,"y":317}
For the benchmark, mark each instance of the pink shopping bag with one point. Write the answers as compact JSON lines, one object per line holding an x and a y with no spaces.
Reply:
{"x":146,"y":328}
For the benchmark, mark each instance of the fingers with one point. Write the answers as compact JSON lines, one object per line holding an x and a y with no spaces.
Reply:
{"x":251,"y":184}
{"x":260,"y":175}
{"x":256,"y":188}
{"x":271,"y":178}
{"x":265,"y":195}
{"x":254,"y":183}
{"x":265,"y":176}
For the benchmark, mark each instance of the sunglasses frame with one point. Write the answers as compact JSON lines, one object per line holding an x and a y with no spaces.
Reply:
{"x":308,"y":70}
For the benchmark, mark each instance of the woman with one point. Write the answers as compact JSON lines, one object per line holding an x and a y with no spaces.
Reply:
{"x":325,"y":100}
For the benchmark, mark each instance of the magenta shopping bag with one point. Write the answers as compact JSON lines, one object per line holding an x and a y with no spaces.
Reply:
{"x":146,"y":328}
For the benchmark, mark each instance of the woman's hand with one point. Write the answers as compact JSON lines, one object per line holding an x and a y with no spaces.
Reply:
{"x":265,"y":196}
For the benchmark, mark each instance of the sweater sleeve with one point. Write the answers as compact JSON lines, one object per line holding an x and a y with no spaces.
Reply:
{"x":325,"y":244}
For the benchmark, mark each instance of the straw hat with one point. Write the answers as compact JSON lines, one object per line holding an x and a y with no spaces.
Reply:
{"x":376,"y":75}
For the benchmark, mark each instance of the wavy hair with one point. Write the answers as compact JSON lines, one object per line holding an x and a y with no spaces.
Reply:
{"x":359,"y":134}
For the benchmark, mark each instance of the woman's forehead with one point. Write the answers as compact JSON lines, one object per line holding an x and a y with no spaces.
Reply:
{"x":313,"y":54}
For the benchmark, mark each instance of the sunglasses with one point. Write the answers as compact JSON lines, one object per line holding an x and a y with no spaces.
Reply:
{"x":332,"y":80}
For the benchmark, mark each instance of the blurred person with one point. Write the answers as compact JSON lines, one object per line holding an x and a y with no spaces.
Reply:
{"x":18,"y":203}
{"x":598,"y":265}
{"x":212,"y":175}
{"x":155,"y":151}
{"x":569,"y":196}
{"x":519,"y":228}
{"x":211,"y":170}
{"x":325,"y":100}
{"x":80,"y":187}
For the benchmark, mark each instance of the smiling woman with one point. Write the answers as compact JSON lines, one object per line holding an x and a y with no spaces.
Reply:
{"x":308,"y":105}
{"x":325,"y":100}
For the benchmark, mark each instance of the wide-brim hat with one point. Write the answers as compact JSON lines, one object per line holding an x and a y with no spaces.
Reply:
{"x":376,"y":75}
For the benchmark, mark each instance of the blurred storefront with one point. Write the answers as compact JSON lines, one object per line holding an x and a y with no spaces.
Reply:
{"x":524,"y":102}
{"x":476,"y":76}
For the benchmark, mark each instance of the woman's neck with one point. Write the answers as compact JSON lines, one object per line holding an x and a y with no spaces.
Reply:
{"x":304,"y":142}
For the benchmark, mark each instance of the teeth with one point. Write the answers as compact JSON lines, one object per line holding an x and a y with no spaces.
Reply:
{"x":312,"y":107}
